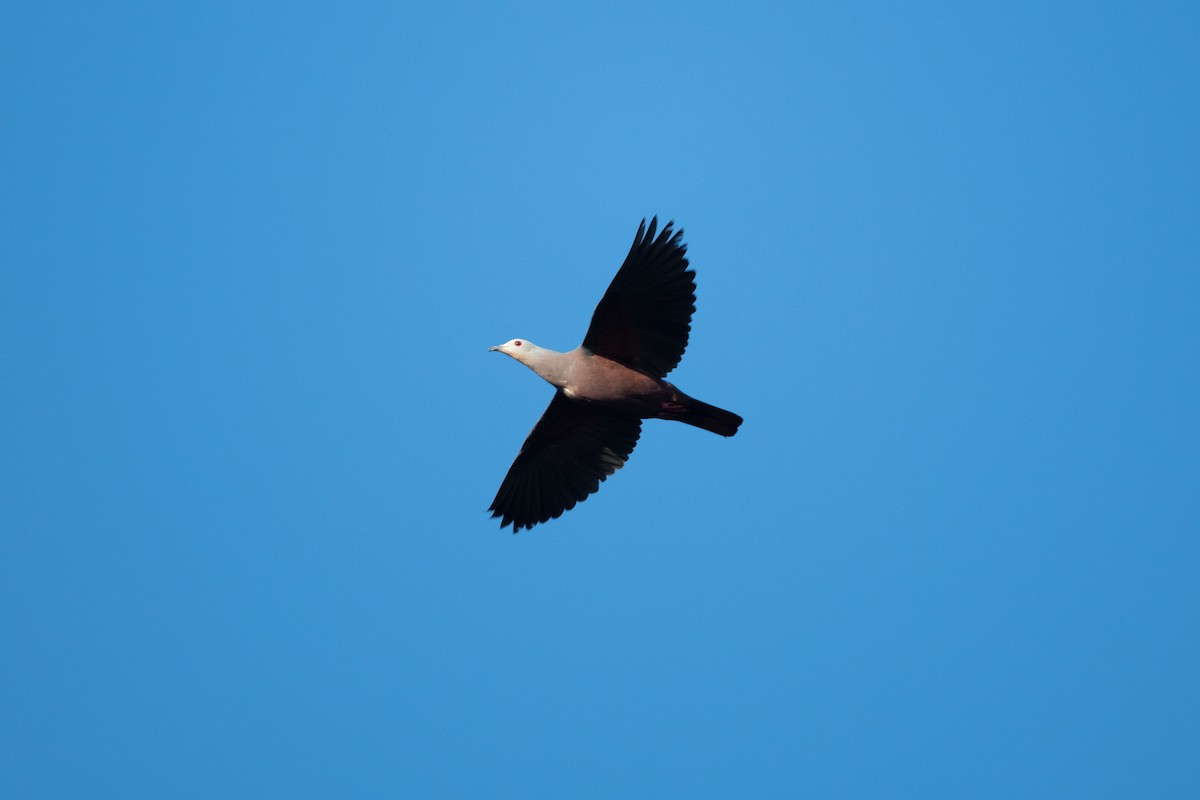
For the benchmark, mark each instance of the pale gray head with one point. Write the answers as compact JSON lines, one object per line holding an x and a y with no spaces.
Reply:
{"x":520,"y":349}
{"x":549,"y":364}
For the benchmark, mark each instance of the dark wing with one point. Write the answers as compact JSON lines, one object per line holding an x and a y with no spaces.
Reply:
{"x":644,"y":318}
{"x":565,"y":457}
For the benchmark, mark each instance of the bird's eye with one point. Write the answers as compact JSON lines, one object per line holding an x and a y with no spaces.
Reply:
{"x":517,"y":343}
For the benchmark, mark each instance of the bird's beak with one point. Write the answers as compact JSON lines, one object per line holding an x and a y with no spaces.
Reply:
{"x":490,"y":349}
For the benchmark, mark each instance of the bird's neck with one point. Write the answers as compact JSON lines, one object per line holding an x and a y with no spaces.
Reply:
{"x":551,"y":365}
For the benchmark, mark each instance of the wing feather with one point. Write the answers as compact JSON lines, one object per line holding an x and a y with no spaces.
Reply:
{"x":571,"y":450}
{"x":644,"y":319}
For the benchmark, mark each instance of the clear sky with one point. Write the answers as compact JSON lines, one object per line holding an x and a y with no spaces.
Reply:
{"x":253,"y":256}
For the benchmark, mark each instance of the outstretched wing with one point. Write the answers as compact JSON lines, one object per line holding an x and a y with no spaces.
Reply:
{"x":568,"y":453}
{"x":644,"y":318}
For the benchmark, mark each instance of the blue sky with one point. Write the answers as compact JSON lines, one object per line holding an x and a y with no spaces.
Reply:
{"x":948,"y":264}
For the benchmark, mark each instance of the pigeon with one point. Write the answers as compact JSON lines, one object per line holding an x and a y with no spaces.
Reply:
{"x":605,"y":387}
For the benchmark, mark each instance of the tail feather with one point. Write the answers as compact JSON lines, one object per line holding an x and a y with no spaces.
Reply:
{"x":710,"y":418}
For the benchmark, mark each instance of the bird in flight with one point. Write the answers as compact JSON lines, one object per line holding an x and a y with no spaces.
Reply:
{"x":609,"y":384}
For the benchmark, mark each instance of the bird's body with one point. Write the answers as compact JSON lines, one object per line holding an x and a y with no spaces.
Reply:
{"x":608,"y":385}
{"x":596,"y":379}
{"x":586,"y":377}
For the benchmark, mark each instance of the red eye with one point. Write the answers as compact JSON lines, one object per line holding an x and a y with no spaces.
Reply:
{"x":517,"y":343}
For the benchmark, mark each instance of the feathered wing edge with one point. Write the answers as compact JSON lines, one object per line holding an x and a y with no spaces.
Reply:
{"x":568,"y":454}
{"x":644,"y":318}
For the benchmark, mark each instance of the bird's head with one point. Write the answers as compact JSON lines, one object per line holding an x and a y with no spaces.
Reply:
{"x":517,"y":348}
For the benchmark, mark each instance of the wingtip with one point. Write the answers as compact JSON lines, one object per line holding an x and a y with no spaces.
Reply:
{"x":508,"y":520}
{"x":669,"y":233}
{"x":649,"y":233}
{"x":676,"y":237}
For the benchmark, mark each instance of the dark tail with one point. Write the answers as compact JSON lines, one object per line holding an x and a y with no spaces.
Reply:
{"x":711,"y":418}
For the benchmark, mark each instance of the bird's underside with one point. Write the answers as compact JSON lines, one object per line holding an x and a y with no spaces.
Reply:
{"x":605,"y":388}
